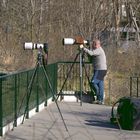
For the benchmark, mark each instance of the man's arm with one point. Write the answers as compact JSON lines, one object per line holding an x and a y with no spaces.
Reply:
{"x":92,"y":52}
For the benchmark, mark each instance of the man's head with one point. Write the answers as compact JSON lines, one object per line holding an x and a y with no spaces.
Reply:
{"x":96,"y":44}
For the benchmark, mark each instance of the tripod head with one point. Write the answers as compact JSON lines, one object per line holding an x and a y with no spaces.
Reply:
{"x":40,"y":56}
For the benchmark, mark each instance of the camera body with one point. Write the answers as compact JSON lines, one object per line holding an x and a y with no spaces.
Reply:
{"x":78,"y":40}
{"x":34,"y":46}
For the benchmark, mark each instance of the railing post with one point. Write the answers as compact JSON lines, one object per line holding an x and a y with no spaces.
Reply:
{"x":46,"y":89}
{"x":27,"y":103}
{"x":109,"y":90}
{"x":137,"y":87}
{"x":37,"y":93}
{"x":15,"y":105}
{"x":1,"y":113}
{"x":130,"y":86}
{"x":55,"y":76}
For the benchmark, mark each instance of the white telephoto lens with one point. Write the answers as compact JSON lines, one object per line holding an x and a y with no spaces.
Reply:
{"x":68,"y":41}
{"x":28,"y":45}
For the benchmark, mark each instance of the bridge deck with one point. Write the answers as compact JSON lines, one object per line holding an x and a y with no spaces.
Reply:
{"x":86,"y":122}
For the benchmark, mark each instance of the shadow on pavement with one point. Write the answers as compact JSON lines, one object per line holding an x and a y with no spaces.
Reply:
{"x":101,"y":123}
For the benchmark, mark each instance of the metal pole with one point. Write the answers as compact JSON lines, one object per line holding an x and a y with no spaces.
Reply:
{"x":137,"y":87}
{"x":109,"y":86}
{"x":15,"y":105}
{"x":81,"y":78}
{"x":130,"y":86}
{"x":1,"y":113}
{"x":37,"y":91}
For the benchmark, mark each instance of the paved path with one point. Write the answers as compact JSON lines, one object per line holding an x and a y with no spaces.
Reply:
{"x":86,"y":122}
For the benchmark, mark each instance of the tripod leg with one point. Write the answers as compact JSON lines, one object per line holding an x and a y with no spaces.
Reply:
{"x":91,"y":87}
{"x":81,"y":76}
{"x":29,"y":89}
{"x":53,"y":94}
{"x":67,"y":76}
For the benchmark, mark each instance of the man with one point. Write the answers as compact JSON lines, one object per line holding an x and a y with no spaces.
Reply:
{"x":100,"y":68}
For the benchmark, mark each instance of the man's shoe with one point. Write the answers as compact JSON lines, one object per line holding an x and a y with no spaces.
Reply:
{"x":101,"y":103}
{"x":96,"y":102}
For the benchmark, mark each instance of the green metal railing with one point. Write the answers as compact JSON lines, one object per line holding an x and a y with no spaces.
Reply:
{"x":74,"y":80}
{"x":134,"y":86}
{"x":13,"y":93}
{"x":69,"y":76}
{"x":63,"y":76}
{"x":13,"y":88}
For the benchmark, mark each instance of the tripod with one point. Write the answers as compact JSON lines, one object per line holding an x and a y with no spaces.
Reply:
{"x":81,"y":63}
{"x":29,"y":89}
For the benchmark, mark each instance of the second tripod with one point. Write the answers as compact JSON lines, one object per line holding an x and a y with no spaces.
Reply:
{"x":79,"y":55}
{"x":39,"y":64}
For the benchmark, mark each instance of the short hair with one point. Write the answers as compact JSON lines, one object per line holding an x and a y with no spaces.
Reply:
{"x":97,"y":41}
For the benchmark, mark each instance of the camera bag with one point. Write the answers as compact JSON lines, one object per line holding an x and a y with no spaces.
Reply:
{"x":128,"y":113}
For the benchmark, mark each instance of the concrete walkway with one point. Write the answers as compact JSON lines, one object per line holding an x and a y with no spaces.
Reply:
{"x":86,"y":122}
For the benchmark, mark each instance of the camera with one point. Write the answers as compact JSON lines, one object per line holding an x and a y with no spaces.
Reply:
{"x":34,"y":46}
{"x":77,"y":40}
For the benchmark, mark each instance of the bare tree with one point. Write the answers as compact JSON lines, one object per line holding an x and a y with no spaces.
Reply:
{"x":41,"y":21}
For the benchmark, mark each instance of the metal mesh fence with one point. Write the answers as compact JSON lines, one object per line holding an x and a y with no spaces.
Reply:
{"x":63,"y":76}
{"x":115,"y":87}
{"x":16,"y":98}
{"x":69,"y":76}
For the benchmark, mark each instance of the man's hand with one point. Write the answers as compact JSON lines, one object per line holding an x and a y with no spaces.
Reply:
{"x":81,"y":46}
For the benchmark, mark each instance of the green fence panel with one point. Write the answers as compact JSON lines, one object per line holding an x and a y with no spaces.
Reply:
{"x":71,"y":72}
{"x":15,"y":98}
{"x":8,"y":92}
{"x":52,"y":77}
